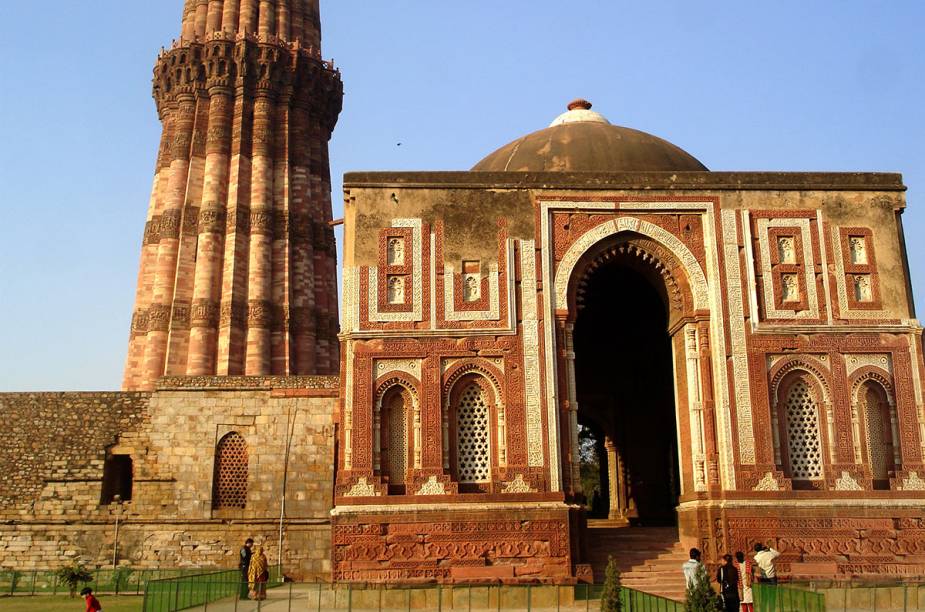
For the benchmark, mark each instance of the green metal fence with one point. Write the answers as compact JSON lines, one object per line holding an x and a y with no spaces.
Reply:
{"x":857,"y":596}
{"x":781,"y":598}
{"x":182,"y":592}
{"x":638,"y":601}
{"x":221,"y":591}
{"x":125,"y":581}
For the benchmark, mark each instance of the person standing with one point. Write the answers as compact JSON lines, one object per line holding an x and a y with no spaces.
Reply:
{"x":728,"y":578}
{"x":746,"y":570}
{"x":244,"y":565}
{"x":93,"y":604}
{"x":258,"y":574}
{"x":764,"y":559}
{"x":691,"y":567}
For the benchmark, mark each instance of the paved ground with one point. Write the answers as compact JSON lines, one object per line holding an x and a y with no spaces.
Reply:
{"x":305,"y":598}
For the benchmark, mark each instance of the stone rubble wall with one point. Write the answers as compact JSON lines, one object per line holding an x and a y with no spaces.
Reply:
{"x":51,"y":510}
{"x":56,"y":439}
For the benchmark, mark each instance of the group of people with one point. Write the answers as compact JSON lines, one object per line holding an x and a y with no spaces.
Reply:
{"x":737,"y":574}
{"x":255,"y":571}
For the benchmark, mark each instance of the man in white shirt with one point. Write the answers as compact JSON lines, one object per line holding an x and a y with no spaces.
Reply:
{"x":691,"y":567}
{"x":764,"y":559}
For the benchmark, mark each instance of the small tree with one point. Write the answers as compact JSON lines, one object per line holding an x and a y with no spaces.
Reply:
{"x":610,"y":598}
{"x":121,"y":577}
{"x":15,"y":578}
{"x":700,"y":596}
{"x":73,"y":575}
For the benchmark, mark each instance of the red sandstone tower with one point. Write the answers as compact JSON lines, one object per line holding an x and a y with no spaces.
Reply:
{"x":238,"y":264}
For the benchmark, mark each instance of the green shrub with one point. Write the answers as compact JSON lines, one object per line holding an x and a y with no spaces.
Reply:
{"x":73,"y":575}
{"x":121,"y":577}
{"x":15,"y":578}
{"x":610,"y":598}
{"x":700,"y":596}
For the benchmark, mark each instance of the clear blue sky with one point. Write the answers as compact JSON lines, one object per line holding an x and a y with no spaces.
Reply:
{"x":791,"y":85}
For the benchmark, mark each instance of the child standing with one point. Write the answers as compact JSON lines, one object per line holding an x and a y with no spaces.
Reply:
{"x":93,"y":604}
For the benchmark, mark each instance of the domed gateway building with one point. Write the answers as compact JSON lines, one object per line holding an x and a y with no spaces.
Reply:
{"x":589,"y":344}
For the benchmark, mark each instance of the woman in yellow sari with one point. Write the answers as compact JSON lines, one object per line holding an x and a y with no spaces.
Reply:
{"x":257,"y":575}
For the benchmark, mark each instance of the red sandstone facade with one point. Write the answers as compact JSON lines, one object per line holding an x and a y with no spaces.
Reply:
{"x":238,"y":266}
{"x":796,"y":368}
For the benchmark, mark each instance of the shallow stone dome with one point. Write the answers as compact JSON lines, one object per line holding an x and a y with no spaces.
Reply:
{"x":581,"y":140}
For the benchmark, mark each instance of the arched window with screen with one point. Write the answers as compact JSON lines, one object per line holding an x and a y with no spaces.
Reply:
{"x":472,"y":436}
{"x":395,"y":407}
{"x":878,"y":433}
{"x":801,"y":429}
{"x":229,"y":488}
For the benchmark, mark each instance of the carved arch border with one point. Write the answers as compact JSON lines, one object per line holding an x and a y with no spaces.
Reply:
{"x":385,"y":383}
{"x":811,"y":365}
{"x":565,"y":270}
{"x":643,"y":255}
{"x":473,"y":366}
{"x":876,"y":374}
{"x":396,"y":377}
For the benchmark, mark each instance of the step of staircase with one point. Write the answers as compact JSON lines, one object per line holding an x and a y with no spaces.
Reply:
{"x":649,"y":558}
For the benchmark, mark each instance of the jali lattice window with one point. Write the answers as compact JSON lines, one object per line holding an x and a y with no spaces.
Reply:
{"x":229,"y":489}
{"x":879,"y":432}
{"x":396,"y":437}
{"x":804,"y":443}
{"x":473,"y":438}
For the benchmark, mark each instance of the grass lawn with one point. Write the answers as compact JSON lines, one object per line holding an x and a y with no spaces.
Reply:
{"x":58,"y":603}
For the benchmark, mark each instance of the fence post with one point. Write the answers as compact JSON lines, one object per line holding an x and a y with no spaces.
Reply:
{"x":439,"y":598}
{"x":319,"y":597}
{"x":290,"y":597}
{"x":529,"y":597}
{"x":205,"y":606}
{"x":350,"y":597}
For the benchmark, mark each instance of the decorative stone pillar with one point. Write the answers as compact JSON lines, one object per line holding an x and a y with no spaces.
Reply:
{"x":568,"y":344}
{"x":695,"y":407}
{"x":615,"y":481}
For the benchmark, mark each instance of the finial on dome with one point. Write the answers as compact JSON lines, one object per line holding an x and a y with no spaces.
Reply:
{"x":579,"y":103}
{"x":579,"y":111}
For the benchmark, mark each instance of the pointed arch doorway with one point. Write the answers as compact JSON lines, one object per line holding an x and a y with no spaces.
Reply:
{"x":627,"y":303}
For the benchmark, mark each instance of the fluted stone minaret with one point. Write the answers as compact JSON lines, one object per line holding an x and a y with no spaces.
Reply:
{"x":238,"y":265}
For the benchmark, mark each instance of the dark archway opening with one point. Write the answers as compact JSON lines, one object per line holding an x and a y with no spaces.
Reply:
{"x":625,"y":392}
{"x":117,"y":479}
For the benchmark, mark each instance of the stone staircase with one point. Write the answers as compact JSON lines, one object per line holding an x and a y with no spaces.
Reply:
{"x":649,"y":558}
